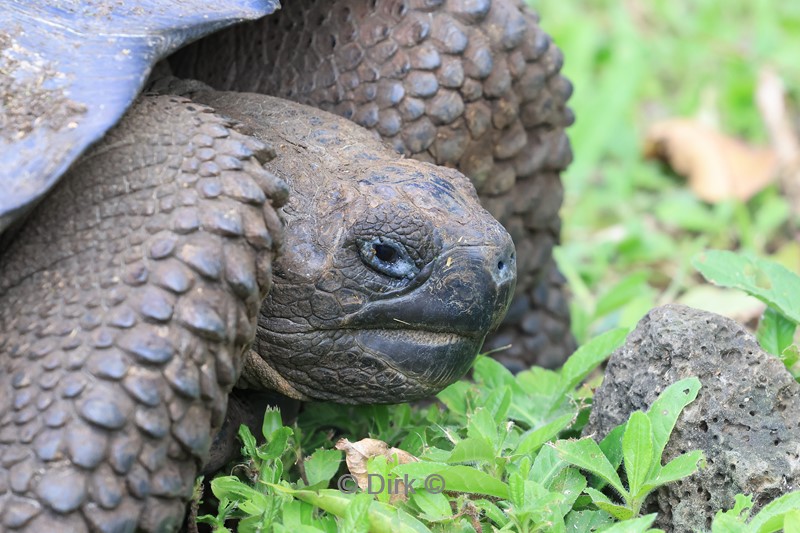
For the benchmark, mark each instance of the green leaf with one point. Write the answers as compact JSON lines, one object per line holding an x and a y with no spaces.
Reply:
{"x":435,"y":506}
{"x":249,"y":447}
{"x":516,"y":490}
{"x":775,"y":332}
{"x":621,"y":293}
{"x":791,"y":522}
{"x":492,"y":511}
{"x":588,"y":357}
{"x":356,"y":515}
{"x":602,"y":502}
{"x":456,"y":478}
{"x":546,"y":466}
{"x":298,"y":528}
{"x":224,"y":509}
{"x":665,"y":411}
{"x":481,"y":424}
{"x":378,"y":415}
{"x":770,"y":518}
{"x":686,"y":212}
{"x":383,"y":518}
{"x":232,"y":488}
{"x":637,"y":449}
{"x":767,"y":280}
{"x":570,"y":484}
{"x":497,"y":403}
{"x":272,"y":422}
{"x":534,"y":439}
{"x":587,"y":455}
{"x":728,"y":524}
{"x":680,"y":467}
{"x":379,"y":470}
{"x":299,"y":516}
{"x":612,"y":445}
{"x":742,"y":506}
{"x":321,"y":466}
{"x":790,"y":356}
{"x":733,"y":520}
{"x":587,"y":521}
{"x":636,"y":525}
{"x":535,"y":388}
{"x":455,"y":397}
{"x":473,"y":449}
{"x":277,"y":443}
{"x":491,"y":373}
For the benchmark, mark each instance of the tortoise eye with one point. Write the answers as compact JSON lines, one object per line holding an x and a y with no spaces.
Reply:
{"x":387,"y":257}
{"x":386,"y":253}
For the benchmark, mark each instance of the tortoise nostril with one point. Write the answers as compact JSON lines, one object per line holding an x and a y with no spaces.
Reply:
{"x":504,"y":272}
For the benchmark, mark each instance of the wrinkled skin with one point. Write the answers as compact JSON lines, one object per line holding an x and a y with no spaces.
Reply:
{"x":470,"y":84}
{"x":126,"y":301}
{"x":131,"y":297}
{"x":391,"y":273}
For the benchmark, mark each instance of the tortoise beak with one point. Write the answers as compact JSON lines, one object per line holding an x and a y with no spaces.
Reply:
{"x":433,"y":334}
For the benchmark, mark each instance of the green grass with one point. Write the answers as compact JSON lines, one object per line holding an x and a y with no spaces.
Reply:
{"x":630,"y":227}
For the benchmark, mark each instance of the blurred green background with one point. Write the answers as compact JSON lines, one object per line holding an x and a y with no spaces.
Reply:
{"x":630,"y":225}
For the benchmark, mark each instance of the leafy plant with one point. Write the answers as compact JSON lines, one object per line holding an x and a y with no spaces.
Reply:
{"x":770,"y":282}
{"x":254,"y":504}
{"x":485,"y":446}
{"x":781,"y":514}
{"x":638,"y":444}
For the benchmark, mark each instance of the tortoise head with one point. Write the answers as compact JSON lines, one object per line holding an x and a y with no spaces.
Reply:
{"x":390,"y":275}
{"x":386,"y":287}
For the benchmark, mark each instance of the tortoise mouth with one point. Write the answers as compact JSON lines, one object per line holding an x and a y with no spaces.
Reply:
{"x":375,"y":365}
{"x":423,"y":361}
{"x":431,"y":355}
{"x":419,"y":336}
{"x":398,"y":348}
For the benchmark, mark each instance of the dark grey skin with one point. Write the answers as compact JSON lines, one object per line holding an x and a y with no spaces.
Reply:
{"x":469,"y":84}
{"x":130,"y":299}
{"x":391,"y":274}
{"x":130,"y":296}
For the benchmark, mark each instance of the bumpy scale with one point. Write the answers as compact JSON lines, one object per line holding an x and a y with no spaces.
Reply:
{"x":391,"y":273}
{"x":132,"y":295}
{"x":127,"y":300}
{"x":472,"y":84}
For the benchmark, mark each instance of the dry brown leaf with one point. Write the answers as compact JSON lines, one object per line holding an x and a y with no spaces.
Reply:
{"x":718,"y":167}
{"x":358,"y":453}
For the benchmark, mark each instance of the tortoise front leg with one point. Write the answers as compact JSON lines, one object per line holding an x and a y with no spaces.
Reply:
{"x":126,"y":302}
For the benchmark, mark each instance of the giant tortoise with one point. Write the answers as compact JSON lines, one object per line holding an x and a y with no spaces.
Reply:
{"x":161,"y":247}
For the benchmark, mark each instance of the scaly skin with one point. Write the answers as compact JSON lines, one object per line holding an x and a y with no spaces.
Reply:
{"x":335,"y":328}
{"x":472,"y":84}
{"x":125,"y":304}
{"x":130,"y":300}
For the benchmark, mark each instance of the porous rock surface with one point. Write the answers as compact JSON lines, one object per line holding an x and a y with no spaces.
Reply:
{"x":745,"y":417}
